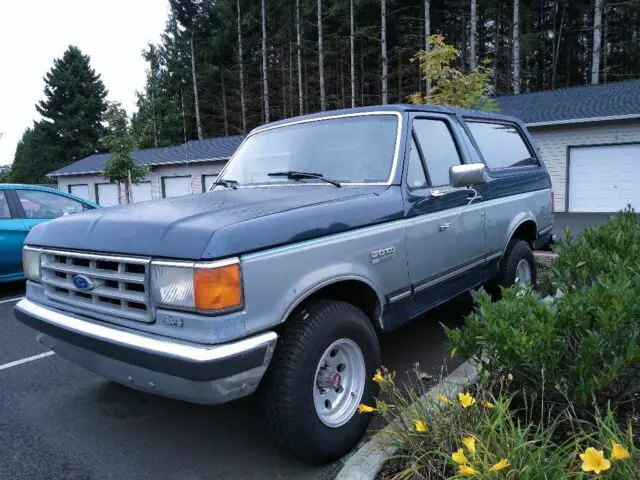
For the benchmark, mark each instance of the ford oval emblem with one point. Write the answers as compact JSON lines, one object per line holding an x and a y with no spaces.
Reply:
{"x":83,"y":283}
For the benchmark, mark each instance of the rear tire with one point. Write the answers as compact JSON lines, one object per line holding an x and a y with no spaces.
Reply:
{"x":295,"y":408}
{"x":518,"y":265}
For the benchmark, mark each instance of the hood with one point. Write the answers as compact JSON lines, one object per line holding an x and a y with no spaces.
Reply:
{"x":214,"y":224}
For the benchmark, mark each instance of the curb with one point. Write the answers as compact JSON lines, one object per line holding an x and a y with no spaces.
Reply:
{"x":367,"y":461}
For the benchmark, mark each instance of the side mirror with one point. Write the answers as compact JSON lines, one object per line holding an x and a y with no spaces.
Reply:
{"x":467,"y":175}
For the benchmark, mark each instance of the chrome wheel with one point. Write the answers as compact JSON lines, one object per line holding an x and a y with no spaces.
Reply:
{"x":523,"y":273}
{"x":339,"y":383}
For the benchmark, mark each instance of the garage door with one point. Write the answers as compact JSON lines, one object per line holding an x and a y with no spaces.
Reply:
{"x":604,"y":179}
{"x":207,"y":181}
{"x":141,"y":192}
{"x":107,"y":194}
{"x":81,"y":191}
{"x":176,"y":186}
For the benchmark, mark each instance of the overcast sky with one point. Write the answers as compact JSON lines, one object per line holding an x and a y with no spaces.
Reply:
{"x":34,"y":32}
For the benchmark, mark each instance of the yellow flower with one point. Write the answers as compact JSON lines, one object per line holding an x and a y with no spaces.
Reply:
{"x":470,"y":443}
{"x":618,"y":452}
{"x":362,"y":408}
{"x":466,"y":400}
{"x":488,"y":405}
{"x":378,"y":378}
{"x":593,"y":461}
{"x":453,"y":352}
{"x":467,"y":470}
{"x":459,"y":457}
{"x":443,"y":399}
{"x":420,"y":426}
{"x":501,"y":465}
{"x":510,"y":377}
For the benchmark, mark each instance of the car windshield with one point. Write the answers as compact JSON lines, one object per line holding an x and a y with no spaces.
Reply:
{"x":357,"y":149}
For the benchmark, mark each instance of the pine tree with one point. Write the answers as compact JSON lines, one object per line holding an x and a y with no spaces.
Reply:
{"x":74,"y":107}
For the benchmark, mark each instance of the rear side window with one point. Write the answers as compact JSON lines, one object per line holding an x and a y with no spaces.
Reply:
{"x":501,"y":145}
{"x":438,"y":147}
{"x":4,"y":206}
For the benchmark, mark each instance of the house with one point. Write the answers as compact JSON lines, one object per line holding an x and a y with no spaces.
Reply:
{"x":181,"y":170}
{"x":589,"y":138}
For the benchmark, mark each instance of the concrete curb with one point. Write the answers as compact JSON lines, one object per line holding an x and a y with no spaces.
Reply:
{"x":367,"y":461}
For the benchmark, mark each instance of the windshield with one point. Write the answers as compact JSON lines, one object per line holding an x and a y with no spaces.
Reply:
{"x":348,"y":150}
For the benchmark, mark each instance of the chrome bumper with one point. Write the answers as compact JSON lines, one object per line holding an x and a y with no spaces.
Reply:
{"x":207,"y":374}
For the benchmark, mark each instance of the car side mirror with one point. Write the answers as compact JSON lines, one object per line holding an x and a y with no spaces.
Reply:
{"x":467,"y":175}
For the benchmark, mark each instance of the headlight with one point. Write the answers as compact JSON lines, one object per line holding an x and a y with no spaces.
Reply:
{"x":202,"y":286}
{"x":31,"y":263}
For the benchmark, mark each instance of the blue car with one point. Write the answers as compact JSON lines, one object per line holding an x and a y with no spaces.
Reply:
{"x":21,"y":208}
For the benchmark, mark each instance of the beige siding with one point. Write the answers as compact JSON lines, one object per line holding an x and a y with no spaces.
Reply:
{"x":195,"y":170}
{"x":553,"y":142}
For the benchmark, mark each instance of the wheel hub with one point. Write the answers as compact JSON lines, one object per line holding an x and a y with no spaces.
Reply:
{"x":328,"y":379}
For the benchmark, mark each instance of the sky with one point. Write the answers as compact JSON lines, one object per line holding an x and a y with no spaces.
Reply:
{"x":35,"y":32}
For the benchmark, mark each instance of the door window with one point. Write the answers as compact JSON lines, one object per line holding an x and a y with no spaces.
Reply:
{"x":42,"y":205}
{"x":4,"y":206}
{"x":416,"y":178}
{"x":501,"y":145}
{"x":438,"y":147}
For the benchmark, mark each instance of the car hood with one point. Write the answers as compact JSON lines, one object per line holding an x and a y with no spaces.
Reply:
{"x":219,"y":223}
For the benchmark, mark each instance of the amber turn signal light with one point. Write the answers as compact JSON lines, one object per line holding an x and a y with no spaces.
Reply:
{"x":218,"y":288}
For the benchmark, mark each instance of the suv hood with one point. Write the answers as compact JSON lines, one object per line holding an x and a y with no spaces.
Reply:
{"x":220,"y":223}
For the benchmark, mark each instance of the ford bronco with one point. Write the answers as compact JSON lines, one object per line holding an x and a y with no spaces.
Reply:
{"x":322,"y":232}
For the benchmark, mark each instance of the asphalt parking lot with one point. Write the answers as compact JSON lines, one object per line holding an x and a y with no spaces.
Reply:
{"x":59,"y":422}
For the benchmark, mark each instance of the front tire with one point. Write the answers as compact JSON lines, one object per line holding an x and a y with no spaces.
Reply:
{"x":320,"y":372}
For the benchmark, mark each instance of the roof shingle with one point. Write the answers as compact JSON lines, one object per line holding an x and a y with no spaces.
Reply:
{"x":577,"y":103}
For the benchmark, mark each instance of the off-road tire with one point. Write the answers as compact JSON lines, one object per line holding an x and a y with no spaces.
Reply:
{"x":287,"y":389}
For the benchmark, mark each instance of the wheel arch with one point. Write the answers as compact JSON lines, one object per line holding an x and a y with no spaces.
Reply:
{"x":523,"y":227}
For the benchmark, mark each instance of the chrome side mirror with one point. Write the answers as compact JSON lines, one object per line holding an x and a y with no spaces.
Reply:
{"x":467,"y":175}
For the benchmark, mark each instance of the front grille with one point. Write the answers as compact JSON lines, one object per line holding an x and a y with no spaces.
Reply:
{"x":117,"y":284}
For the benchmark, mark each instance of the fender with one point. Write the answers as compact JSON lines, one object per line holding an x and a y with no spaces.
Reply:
{"x":518,"y":220}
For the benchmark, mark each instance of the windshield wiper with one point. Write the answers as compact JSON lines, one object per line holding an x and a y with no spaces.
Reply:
{"x":226,"y":183}
{"x":294,"y":175}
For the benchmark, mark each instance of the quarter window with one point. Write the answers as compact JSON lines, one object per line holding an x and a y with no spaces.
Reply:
{"x":501,"y":145}
{"x":37,"y":204}
{"x":4,"y":206}
{"x":438,"y":147}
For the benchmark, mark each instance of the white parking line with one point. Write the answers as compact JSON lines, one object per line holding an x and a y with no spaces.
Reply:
{"x":26,"y":360}
{"x":11,"y":300}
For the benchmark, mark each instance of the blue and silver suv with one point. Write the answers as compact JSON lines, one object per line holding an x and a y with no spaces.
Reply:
{"x":322,"y":232}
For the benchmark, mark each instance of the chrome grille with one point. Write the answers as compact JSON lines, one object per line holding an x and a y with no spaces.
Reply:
{"x":118,"y":283}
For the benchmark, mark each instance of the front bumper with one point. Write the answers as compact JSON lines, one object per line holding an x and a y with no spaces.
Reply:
{"x":206,"y":374}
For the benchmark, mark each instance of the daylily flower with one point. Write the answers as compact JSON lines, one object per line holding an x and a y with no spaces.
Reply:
{"x":501,"y":465}
{"x":466,"y":400}
{"x":618,"y":452}
{"x":470,"y":443}
{"x":593,"y":461}
{"x":467,"y":470}
{"x":453,"y":352}
{"x":420,"y":426}
{"x":443,"y":399}
{"x":488,"y":405}
{"x":378,"y":378}
{"x":362,"y":408}
{"x":510,"y":377}
{"x":459,"y":457}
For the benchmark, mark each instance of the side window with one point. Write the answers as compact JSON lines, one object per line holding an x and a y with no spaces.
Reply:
{"x":439,"y":149}
{"x":501,"y":145}
{"x":416,"y":178}
{"x":4,"y":206}
{"x":37,"y":204}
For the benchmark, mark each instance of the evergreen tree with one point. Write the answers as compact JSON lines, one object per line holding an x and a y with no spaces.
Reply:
{"x":35,"y":155}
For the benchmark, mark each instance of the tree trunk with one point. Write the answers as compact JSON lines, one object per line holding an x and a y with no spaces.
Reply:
{"x":597,"y":28}
{"x":224,"y":102}
{"x":399,"y":75}
{"x":284,"y":89}
{"x":323,"y":93}
{"x":291,"y":78}
{"x":265,"y":82}
{"x":474,"y":36}
{"x":243,"y":101}
{"x":556,"y":47}
{"x":342,"y":91}
{"x":605,"y":48}
{"x":427,"y":33}
{"x":352,"y":39}
{"x":298,"y":35}
{"x":195,"y":90}
{"x":383,"y":50}
{"x":516,"y":47}
{"x":497,"y":41}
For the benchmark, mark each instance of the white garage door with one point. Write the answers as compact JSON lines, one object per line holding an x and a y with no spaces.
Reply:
{"x":604,"y":179}
{"x":141,"y":192}
{"x":81,"y":191}
{"x":208,"y":181}
{"x":176,"y":186}
{"x":107,"y":194}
